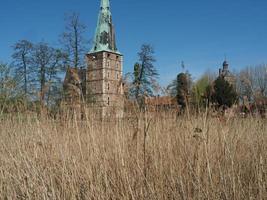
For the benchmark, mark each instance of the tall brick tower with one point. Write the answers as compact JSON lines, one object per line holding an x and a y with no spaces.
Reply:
{"x":104,"y":67}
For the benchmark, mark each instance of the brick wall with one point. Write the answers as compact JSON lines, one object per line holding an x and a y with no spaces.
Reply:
{"x":104,"y":79}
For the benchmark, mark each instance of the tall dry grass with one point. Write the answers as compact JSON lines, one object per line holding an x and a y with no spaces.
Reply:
{"x":152,"y":158}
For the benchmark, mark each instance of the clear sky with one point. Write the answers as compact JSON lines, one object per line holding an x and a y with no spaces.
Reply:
{"x":198,"y":32}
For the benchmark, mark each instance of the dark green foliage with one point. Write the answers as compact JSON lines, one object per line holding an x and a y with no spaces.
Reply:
{"x":172,"y":87}
{"x":208,"y":94}
{"x":224,"y":93}
{"x":145,"y":74}
{"x":182,"y":90}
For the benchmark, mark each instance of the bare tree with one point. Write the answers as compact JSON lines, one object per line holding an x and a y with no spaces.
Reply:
{"x":253,"y":81}
{"x":48,"y":64}
{"x":260,"y":78}
{"x":73,"y":39}
{"x":22,"y":60}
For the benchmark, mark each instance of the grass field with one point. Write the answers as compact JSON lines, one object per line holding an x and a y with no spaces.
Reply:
{"x":142,"y":158}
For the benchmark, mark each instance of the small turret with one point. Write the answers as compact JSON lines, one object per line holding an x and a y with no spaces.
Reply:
{"x":225,"y":73}
{"x":225,"y":65}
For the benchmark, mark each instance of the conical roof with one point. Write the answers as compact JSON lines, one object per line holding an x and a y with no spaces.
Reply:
{"x":104,"y":39}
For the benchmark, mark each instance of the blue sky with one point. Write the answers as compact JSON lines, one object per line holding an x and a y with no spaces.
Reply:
{"x":198,"y":32}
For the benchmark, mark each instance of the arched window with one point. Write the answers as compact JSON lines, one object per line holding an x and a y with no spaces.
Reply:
{"x":108,"y":101}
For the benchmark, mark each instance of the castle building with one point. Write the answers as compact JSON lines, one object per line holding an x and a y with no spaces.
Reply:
{"x":225,"y":73}
{"x":99,"y":87}
{"x":104,"y":67}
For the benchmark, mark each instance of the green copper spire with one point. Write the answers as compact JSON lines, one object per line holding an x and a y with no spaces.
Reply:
{"x":105,"y":4}
{"x":105,"y":36}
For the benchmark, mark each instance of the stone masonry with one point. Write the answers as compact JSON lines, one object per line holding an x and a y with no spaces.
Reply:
{"x":104,"y":82}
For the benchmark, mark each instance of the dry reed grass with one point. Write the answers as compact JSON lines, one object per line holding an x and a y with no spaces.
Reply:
{"x":194,"y":158}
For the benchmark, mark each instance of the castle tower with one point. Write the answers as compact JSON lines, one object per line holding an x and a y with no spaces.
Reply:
{"x":104,"y":67}
{"x":225,"y":73}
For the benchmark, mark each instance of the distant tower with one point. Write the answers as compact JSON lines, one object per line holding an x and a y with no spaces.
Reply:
{"x":225,"y":66}
{"x":104,"y":67}
{"x":225,"y":73}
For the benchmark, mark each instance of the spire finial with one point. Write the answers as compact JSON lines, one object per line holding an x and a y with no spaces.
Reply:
{"x":225,"y":63}
{"x":105,"y":4}
{"x":183,"y":65}
{"x":225,"y":57}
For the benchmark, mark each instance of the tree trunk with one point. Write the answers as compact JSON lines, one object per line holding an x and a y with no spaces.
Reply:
{"x":76,"y":54}
{"x":25,"y":75}
{"x":42,"y":82}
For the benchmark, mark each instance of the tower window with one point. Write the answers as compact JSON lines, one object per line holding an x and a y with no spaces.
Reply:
{"x":108,"y":55}
{"x":108,"y":101}
{"x":117,"y":76}
{"x":108,"y":64}
{"x":108,"y":86}
{"x":108,"y":74}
